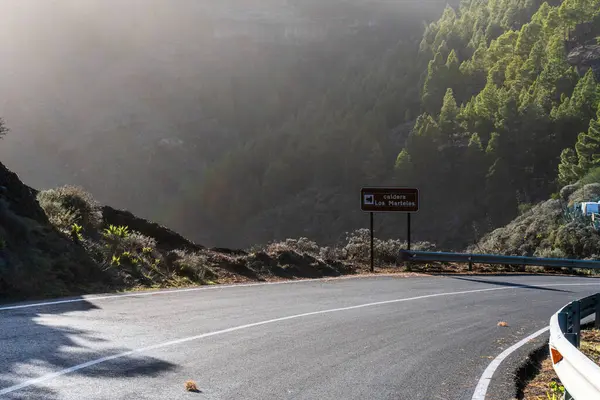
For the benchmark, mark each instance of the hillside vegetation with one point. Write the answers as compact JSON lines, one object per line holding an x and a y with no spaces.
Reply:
{"x":61,"y":241}
{"x":489,"y":110}
{"x":502,"y":106}
{"x":507,"y":115}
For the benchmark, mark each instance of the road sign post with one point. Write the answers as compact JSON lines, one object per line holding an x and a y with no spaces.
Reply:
{"x":408,"y":231}
{"x":391,"y":199}
{"x":372,"y":251}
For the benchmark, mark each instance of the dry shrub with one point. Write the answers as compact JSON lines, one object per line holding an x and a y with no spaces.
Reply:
{"x":358,"y":247}
{"x":302,"y":246}
{"x":68,"y":205}
{"x":588,"y":192}
{"x":193,"y":265}
{"x":333,"y":253}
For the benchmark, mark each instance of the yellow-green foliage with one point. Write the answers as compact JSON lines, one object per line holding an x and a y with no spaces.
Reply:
{"x":114,"y":232}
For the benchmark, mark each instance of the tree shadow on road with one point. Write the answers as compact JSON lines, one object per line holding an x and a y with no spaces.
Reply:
{"x":31,"y":348}
{"x":510,"y":284}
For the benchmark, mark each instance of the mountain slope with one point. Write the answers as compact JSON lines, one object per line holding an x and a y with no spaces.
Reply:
{"x":205,"y":101}
{"x":501,"y":102}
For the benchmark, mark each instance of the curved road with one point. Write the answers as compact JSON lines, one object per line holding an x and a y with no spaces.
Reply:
{"x":355,"y":338}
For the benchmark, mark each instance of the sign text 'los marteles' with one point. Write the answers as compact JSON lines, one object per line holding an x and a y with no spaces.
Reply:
{"x":389,"y":199}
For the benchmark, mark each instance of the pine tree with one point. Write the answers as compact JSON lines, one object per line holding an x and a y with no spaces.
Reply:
{"x":448,"y":121}
{"x":528,"y":36}
{"x":432,"y":89}
{"x":493,"y":146}
{"x":588,"y":147}
{"x":404,"y":165}
{"x":567,"y":169}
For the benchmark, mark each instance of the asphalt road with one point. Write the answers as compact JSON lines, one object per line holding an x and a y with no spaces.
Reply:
{"x":365,"y":338}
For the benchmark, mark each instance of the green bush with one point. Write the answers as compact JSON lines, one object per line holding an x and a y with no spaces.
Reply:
{"x":524,"y":208}
{"x":545,"y":252}
{"x":593,"y":176}
{"x":115,"y":232}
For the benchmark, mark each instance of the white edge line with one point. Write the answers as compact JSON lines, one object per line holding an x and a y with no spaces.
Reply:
{"x":216,"y":287}
{"x":486,"y":378}
{"x":160,"y":292}
{"x":78,"y":367}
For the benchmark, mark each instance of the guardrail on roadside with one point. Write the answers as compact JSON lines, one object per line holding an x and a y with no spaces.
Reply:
{"x":424,"y":256}
{"x":578,"y":374}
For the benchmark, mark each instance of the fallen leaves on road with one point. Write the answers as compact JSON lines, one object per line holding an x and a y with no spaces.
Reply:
{"x":502,"y":323}
{"x":191,"y":386}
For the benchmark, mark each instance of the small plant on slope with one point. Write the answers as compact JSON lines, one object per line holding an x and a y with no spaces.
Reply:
{"x":76,"y":232}
{"x":113,"y":231}
{"x":556,"y":391}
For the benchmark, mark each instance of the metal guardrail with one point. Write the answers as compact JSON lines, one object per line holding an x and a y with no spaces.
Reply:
{"x":579,"y":375}
{"x":424,"y":256}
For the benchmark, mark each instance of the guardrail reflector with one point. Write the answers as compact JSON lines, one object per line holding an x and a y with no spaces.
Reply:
{"x":556,"y":356}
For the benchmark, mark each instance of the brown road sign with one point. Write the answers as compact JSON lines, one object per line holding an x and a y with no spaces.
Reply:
{"x":389,"y":199}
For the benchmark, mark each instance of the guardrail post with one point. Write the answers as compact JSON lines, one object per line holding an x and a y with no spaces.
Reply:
{"x":563,"y":323}
{"x":567,"y":396}
{"x":597,"y":321}
{"x":576,"y":322}
{"x":470,"y":263}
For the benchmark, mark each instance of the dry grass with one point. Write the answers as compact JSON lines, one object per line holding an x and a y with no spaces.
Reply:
{"x":590,"y":344}
{"x":539,"y":387}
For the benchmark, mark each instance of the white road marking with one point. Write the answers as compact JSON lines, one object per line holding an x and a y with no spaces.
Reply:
{"x":484,"y":381}
{"x":486,"y":377}
{"x":66,"y":371}
{"x":168,"y":291}
{"x":216,"y":287}
{"x":78,"y":367}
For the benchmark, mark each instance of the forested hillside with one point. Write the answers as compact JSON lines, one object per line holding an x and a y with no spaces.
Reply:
{"x":506,"y":93}
{"x":508,"y":87}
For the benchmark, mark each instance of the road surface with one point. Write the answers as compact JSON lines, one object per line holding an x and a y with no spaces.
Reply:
{"x":362,"y":338}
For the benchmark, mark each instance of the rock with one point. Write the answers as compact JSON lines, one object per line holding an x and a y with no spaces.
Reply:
{"x":291,"y":258}
{"x":585,"y":56}
{"x":263,"y":259}
{"x":567,"y":191}
{"x":20,"y":197}
{"x":231,"y":252}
